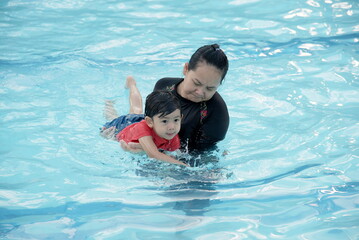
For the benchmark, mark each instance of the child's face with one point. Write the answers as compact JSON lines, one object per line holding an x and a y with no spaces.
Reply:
{"x":167,"y":126}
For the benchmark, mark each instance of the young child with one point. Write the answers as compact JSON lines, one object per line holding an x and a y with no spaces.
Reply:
{"x":156,"y":129}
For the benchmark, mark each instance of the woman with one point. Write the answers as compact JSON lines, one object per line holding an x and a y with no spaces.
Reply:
{"x":205,"y":115}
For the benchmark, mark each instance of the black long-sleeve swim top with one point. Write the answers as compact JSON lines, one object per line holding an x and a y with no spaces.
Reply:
{"x":204,"y":123}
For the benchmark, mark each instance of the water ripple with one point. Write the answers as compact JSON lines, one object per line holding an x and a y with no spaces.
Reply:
{"x":292,"y":94}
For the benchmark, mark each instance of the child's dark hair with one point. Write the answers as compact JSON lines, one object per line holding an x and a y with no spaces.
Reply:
{"x":211,"y":54}
{"x":162,"y":103}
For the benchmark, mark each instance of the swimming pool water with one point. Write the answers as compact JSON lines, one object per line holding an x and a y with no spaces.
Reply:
{"x":292,"y":94}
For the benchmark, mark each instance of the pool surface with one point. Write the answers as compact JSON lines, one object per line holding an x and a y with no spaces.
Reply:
{"x":292,"y":91}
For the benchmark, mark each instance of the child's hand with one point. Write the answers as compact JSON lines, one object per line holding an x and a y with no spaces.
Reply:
{"x":183,"y":164}
{"x":109,"y":133}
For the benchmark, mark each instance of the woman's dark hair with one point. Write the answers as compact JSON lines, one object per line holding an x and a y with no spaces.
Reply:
{"x":161,"y":102}
{"x":211,"y":54}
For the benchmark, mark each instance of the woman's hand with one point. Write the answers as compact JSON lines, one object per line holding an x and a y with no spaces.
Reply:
{"x":131,"y":147}
{"x":109,"y":133}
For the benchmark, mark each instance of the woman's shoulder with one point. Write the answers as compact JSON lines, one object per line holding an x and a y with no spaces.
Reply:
{"x":217,"y":101}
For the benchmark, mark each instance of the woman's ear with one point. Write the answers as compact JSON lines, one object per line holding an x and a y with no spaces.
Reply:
{"x":185,"y":69}
{"x":149,"y":121}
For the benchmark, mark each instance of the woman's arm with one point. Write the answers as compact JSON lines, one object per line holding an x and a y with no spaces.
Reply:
{"x":214,"y":127}
{"x":151,"y":150}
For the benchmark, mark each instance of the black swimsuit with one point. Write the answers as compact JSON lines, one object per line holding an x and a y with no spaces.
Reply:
{"x":203,"y":124}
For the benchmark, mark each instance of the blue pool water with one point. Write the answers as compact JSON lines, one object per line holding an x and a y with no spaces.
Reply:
{"x":292,"y":92}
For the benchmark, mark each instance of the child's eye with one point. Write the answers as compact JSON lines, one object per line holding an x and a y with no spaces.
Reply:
{"x":177,"y":120}
{"x":164,"y":121}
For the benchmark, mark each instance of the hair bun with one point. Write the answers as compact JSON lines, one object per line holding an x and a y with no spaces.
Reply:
{"x":215,"y":47}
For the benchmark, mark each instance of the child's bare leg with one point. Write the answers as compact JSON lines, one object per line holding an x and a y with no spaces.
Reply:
{"x":135,"y":96}
{"x":109,"y":111}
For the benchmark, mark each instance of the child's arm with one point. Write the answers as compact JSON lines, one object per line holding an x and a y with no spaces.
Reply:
{"x":151,"y":150}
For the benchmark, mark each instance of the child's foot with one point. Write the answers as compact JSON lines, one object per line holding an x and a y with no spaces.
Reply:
{"x":130,"y":81}
{"x":109,"y":111}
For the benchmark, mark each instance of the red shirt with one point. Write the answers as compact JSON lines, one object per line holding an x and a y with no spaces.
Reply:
{"x":137,"y":130}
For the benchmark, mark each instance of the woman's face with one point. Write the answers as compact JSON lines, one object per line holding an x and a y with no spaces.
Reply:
{"x":200,"y":84}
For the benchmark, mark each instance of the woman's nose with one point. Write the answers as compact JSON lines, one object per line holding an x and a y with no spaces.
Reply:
{"x":200,"y":91}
